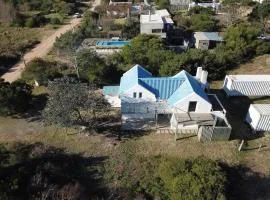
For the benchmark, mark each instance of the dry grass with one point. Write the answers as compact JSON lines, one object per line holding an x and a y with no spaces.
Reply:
{"x":258,"y":65}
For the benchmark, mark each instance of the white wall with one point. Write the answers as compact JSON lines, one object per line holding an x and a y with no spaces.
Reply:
{"x":114,"y":101}
{"x":203,"y":106}
{"x":253,"y":117}
{"x":148,"y":27}
{"x":146,"y":94}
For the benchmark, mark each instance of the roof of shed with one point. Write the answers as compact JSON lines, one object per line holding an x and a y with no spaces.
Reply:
{"x":212,"y":36}
{"x":248,"y":78}
{"x":263,"y":109}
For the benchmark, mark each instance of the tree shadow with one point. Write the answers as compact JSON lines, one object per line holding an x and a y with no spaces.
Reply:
{"x":244,"y":184}
{"x":35,"y":171}
{"x":35,"y":108}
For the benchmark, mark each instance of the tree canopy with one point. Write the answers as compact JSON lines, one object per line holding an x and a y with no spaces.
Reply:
{"x":72,"y":103}
{"x":14,"y":97}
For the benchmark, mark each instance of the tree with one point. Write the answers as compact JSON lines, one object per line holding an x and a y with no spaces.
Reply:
{"x":14,"y":97}
{"x":261,"y":13}
{"x":130,"y":29}
{"x":203,"y":22}
{"x":91,"y":66}
{"x":73,"y":103}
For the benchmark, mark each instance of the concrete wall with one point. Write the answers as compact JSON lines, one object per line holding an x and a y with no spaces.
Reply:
{"x":203,"y":106}
{"x":202,"y":44}
{"x":148,"y":27}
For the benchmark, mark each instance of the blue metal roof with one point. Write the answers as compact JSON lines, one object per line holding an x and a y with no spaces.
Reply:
{"x":162,"y":87}
{"x":131,"y":77}
{"x":189,"y":86}
{"x":172,"y":89}
{"x":111,"y":90}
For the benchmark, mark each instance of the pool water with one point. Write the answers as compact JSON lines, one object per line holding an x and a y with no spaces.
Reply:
{"x":112,"y":43}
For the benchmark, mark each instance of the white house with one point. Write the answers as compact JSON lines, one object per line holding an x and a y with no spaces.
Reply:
{"x":181,"y":97}
{"x":157,"y":23}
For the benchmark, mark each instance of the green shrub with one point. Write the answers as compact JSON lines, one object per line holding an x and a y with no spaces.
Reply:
{"x":41,"y":71}
{"x":165,"y":178}
{"x":55,"y":20}
{"x":30,"y":22}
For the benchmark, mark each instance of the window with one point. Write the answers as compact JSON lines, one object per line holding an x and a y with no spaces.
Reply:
{"x":134,"y":94}
{"x":156,"y":30}
{"x":140,"y":95}
{"x":192,"y":106}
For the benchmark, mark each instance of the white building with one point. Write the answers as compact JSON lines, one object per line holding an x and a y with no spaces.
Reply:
{"x":157,"y":23}
{"x":258,"y":117}
{"x":206,"y":40}
{"x":182,"y":98}
{"x":247,"y":85}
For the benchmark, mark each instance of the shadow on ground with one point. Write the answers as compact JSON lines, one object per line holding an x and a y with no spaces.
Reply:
{"x":237,"y":108}
{"x":33,"y":171}
{"x":245,"y":184}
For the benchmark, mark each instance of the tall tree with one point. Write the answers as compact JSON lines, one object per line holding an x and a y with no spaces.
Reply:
{"x":73,"y":103}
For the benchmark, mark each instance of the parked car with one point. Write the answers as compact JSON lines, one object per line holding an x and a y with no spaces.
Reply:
{"x":77,"y":15}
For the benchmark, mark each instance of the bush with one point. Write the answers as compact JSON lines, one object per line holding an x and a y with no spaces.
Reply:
{"x":55,"y":20}
{"x":41,"y":71}
{"x":14,"y":97}
{"x":30,"y":22}
{"x":166,"y":178}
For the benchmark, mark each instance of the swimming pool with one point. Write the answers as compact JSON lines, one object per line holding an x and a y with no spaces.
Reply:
{"x":112,"y":43}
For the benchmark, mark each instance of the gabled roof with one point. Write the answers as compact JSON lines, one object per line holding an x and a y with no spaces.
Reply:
{"x":131,"y":77}
{"x":189,"y":86}
{"x":172,"y":89}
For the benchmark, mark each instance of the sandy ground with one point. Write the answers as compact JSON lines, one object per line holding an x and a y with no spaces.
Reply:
{"x":40,"y":50}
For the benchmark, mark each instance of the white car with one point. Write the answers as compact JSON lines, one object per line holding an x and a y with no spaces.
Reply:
{"x":77,"y":15}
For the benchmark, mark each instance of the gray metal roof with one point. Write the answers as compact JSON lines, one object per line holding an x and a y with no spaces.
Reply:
{"x":263,"y":109}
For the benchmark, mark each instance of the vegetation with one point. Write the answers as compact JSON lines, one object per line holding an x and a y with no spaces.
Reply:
{"x":166,"y":178}
{"x":42,"y":71}
{"x":73,"y":103}
{"x":14,"y":97}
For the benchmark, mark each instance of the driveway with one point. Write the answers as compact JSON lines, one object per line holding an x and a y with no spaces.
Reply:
{"x":40,"y":50}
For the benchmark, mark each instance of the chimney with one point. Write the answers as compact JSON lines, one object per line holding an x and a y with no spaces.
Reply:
{"x":199,"y":73}
{"x":204,"y":77}
{"x":149,"y":15}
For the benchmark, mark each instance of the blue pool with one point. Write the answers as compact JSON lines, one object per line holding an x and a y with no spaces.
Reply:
{"x":112,"y":43}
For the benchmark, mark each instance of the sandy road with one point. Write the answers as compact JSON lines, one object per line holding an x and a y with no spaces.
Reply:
{"x":40,"y":50}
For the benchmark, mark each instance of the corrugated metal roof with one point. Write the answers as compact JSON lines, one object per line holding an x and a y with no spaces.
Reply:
{"x":162,"y":87}
{"x":189,"y":86}
{"x":111,"y":90}
{"x":213,"y":36}
{"x":131,"y":77}
{"x":249,"y":78}
{"x":263,"y":109}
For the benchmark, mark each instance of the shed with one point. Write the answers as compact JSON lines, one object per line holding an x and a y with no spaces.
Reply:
{"x":207,"y":40}
{"x":247,"y":85}
{"x":258,"y":117}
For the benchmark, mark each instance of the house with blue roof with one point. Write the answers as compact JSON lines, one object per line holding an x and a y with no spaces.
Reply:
{"x":143,"y":96}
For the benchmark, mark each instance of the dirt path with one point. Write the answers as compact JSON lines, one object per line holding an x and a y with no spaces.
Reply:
{"x":39,"y":51}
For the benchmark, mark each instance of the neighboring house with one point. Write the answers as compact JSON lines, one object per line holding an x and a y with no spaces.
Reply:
{"x":181,"y":98}
{"x":158,"y":23}
{"x":247,"y":85}
{"x":258,"y":117}
{"x":215,"y":6}
{"x":262,"y":1}
{"x":180,"y":2}
{"x":206,"y":40}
